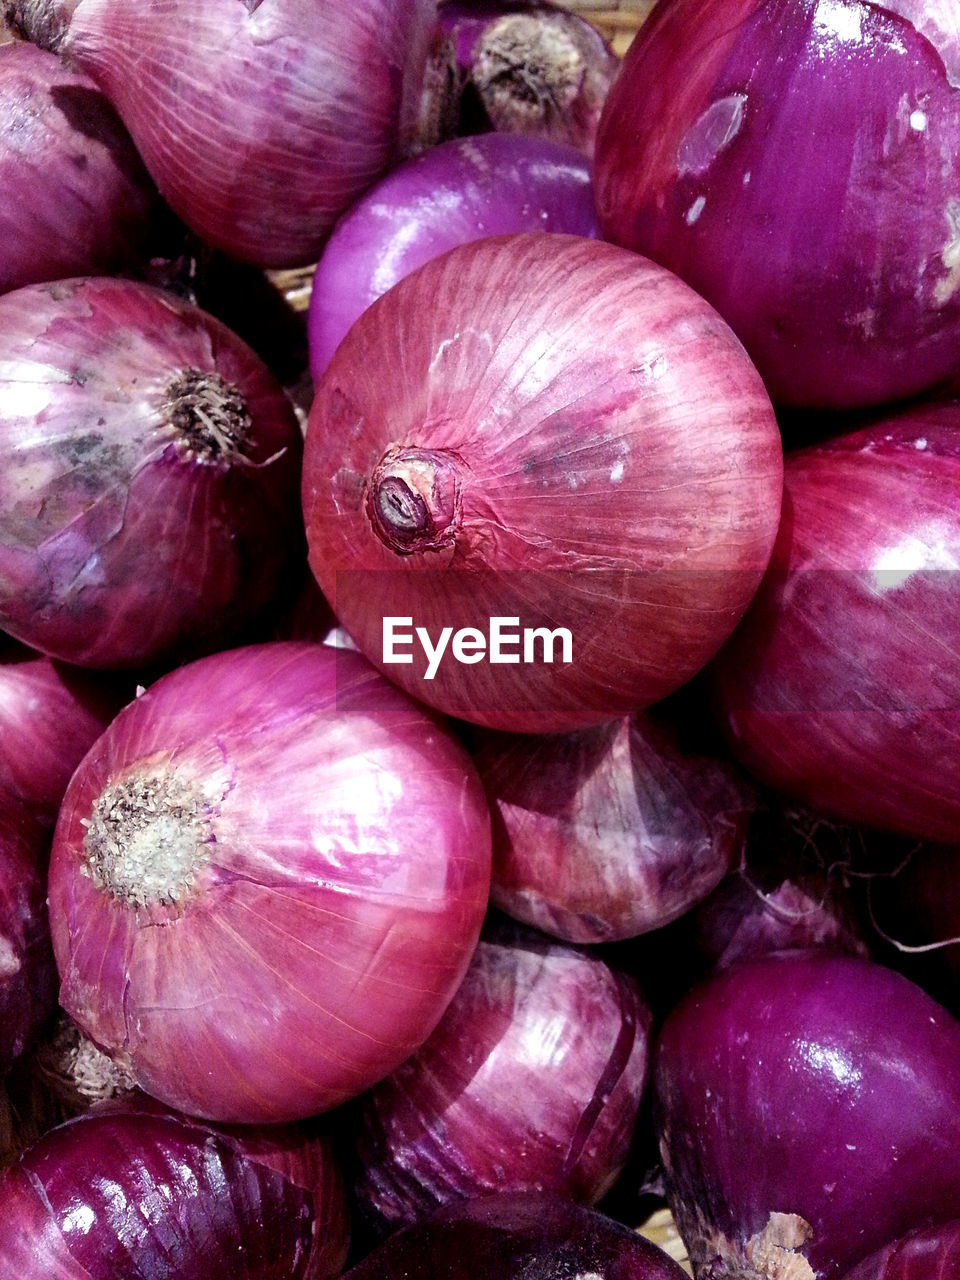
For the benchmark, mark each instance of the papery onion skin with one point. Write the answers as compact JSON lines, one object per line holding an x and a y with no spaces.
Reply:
{"x":455,"y":192}
{"x":931,"y":1254}
{"x":324,"y":900}
{"x":796,"y":163}
{"x":610,"y":832}
{"x":517,"y":1237}
{"x":132,"y":531}
{"x":808,"y":1108}
{"x":77,"y":199}
{"x":259,"y":122}
{"x":841,"y":688}
{"x":123,"y":1193}
{"x":594,"y":451}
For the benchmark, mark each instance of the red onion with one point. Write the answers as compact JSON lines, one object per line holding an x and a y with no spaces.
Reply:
{"x":560,"y":437}
{"x":456,"y":192}
{"x":260,"y":121}
{"x":797,"y":163}
{"x":842,"y":686}
{"x":609,"y":832}
{"x":77,"y":199}
{"x":123,"y":1194}
{"x":531,"y":1081}
{"x":317,"y":850}
{"x":809,"y":1111}
{"x":148,"y":506}
{"x":517,"y":1237}
{"x":932,"y":1254}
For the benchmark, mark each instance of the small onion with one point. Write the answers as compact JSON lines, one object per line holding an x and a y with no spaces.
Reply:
{"x":532,"y":1081}
{"x":126,"y":1193}
{"x":609,"y":832}
{"x":76,"y":197}
{"x":148,"y":504}
{"x":456,"y":192}
{"x":808,"y":1108}
{"x":559,"y":434}
{"x":797,"y":162}
{"x":259,"y":120}
{"x":517,"y":1237}
{"x":267,"y":880}
{"x":930,"y":1254}
{"x":841,"y":688}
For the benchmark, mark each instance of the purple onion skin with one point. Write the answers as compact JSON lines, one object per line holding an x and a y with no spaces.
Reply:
{"x":458,"y":191}
{"x":532,"y":1081}
{"x":796,"y":162}
{"x":123,"y":1194}
{"x":517,"y":1237}
{"x":610,"y":832}
{"x":932,"y":1254}
{"x":332,"y":876}
{"x":131,"y":533}
{"x":841,"y":687}
{"x":77,"y":199}
{"x":808,"y":1107}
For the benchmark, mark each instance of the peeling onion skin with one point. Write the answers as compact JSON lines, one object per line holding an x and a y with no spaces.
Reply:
{"x":260,"y":121}
{"x":801,"y":176}
{"x":610,"y":832}
{"x":531,"y":1082}
{"x":131,"y":533}
{"x":933,"y":1254}
{"x":122,"y":1194}
{"x":518,"y":1237}
{"x":841,"y":687}
{"x":582,"y":444}
{"x":456,"y":192}
{"x":77,"y":199}
{"x":320,"y":900}
{"x":808,"y":1111}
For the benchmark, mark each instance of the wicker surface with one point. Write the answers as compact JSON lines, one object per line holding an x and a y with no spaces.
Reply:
{"x":661,"y":1229}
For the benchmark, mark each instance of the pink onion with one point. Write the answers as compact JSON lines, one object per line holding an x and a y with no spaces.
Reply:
{"x":532,"y":1081}
{"x":456,"y":192}
{"x":124,"y":1193}
{"x":148,"y":503}
{"x":930,"y":1254}
{"x":317,"y":850}
{"x":809,"y":1112}
{"x":560,"y":435}
{"x":609,"y":832}
{"x":77,"y":199}
{"x":797,"y":163}
{"x":842,"y":686}
{"x":260,"y":120}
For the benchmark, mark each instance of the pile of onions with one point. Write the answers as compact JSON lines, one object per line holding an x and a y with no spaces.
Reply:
{"x":125,"y":1193}
{"x":842,"y":686}
{"x":456,"y":192}
{"x":560,"y":435}
{"x":532,"y":1081}
{"x":262,"y":120}
{"x":809,"y":1112}
{"x":77,"y":199}
{"x":267,"y":880}
{"x":609,"y":832}
{"x":148,"y":503}
{"x":797,"y":163}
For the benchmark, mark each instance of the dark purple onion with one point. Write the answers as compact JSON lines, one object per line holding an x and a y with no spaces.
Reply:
{"x":531,"y":1081}
{"x":930,"y":1254}
{"x":809,"y":1111}
{"x":517,"y":1237}
{"x":797,"y":163}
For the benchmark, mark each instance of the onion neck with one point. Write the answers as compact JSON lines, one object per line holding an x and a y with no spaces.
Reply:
{"x":42,"y":22}
{"x":414,"y":502}
{"x":208,"y":416}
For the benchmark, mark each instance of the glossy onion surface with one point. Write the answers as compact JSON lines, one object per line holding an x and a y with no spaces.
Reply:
{"x":933,"y":1254}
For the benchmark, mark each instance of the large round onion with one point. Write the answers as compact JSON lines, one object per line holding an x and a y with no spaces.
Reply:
{"x":260,"y":120}
{"x":267,"y":880}
{"x":797,"y":162}
{"x":551,"y":431}
{"x":809,"y":1112}
{"x":148,"y":499}
{"x":842,"y":685}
